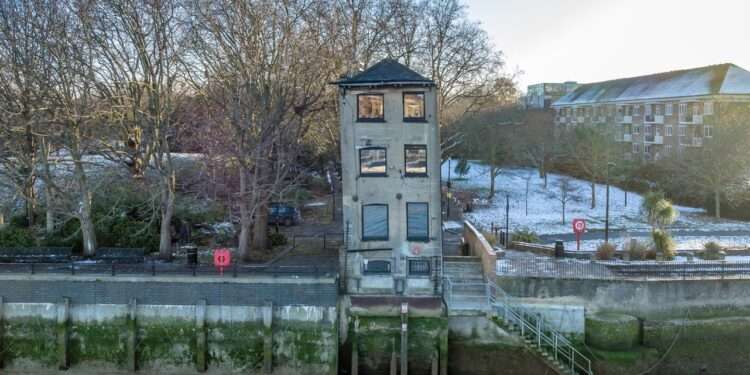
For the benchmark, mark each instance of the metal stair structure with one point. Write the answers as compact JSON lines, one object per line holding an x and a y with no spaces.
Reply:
{"x":466,"y":292}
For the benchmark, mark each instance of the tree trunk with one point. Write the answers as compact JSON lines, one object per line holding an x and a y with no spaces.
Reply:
{"x":260,"y":228}
{"x":50,"y":219}
{"x":626,"y":198}
{"x":30,"y":196}
{"x":245,"y":218}
{"x":593,"y":195}
{"x":545,"y":180}
{"x":563,"y":213}
{"x":84,"y":215}
{"x":492,"y":183}
{"x":167,"y":211}
{"x":717,"y":203}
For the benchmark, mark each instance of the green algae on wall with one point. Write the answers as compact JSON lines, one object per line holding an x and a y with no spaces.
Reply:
{"x":99,"y":342}
{"x":165,"y":342}
{"x":30,"y":340}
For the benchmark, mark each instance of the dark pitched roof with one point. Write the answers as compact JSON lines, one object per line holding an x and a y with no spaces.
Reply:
{"x":724,"y":79}
{"x":387,"y":72}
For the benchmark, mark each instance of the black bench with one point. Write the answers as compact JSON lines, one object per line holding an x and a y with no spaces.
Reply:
{"x":121,"y":254}
{"x":35,"y":254}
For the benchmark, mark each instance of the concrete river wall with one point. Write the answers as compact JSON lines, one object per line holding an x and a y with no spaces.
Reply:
{"x":169,"y":325}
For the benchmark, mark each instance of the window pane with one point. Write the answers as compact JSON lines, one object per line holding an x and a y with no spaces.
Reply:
{"x":414,"y":106}
{"x":416,"y":160}
{"x":416,"y":221}
{"x":375,"y":222}
{"x":372,"y":161}
{"x":370,"y":107}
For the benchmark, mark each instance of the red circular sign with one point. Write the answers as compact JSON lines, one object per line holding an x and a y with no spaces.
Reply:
{"x":579,"y":226}
{"x":222,"y":258}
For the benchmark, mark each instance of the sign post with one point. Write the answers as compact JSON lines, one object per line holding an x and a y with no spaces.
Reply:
{"x":579,"y":226}
{"x":222,"y":259}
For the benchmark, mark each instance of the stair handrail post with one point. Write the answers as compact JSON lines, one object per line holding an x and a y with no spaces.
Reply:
{"x":538,"y":334}
{"x":554,"y":346}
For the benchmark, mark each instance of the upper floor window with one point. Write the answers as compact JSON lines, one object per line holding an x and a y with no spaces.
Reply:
{"x":648,"y":109}
{"x":668,"y":109}
{"x":708,"y":108}
{"x":414,"y":106}
{"x":668,"y":130}
{"x":708,"y":131}
{"x":637,"y":110}
{"x":370,"y":108}
{"x":417,"y":222}
{"x":415,"y":160}
{"x":373,"y":162}
{"x":375,"y":222}
{"x":683,"y":108}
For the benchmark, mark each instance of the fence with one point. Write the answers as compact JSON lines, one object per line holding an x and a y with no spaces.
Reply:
{"x":643,"y":270}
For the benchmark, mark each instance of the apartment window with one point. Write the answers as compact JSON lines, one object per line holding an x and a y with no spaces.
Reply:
{"x":636,"y":129}
{"x":668,"y":130}
{"x":648,"y":130}
{"x":696,"y":109}
{"x":419,"y":267}
{"x":370,"y":108}
{"x":637,"y":110}
{"x":668,"y":109}
{"x":636,"y":148}
{"x":648,"y":109}
{"x":658,"y":109}
{"x":683,"y":131}
{"x":708,"y":108}
{"x":647,"y":149}
{"x":414,"y":106}
{"x":708,"y":131}
{"x":415,"y":160}
{"x":683,"y":108}
{"x":668,"y":149}
{"x":376,"y":266}
{"x":373,"y":162}
{"x":375,"y":222}
{"x":417,"y":222}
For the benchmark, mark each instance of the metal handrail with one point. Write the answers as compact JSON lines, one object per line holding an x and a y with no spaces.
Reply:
{"x":531,"y":324}
{"x":541,"y":332}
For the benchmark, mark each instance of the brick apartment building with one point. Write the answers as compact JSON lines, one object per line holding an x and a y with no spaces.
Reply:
{"x":654,"y":115}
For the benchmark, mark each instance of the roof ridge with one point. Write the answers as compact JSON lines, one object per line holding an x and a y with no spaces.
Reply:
{"x":676,"y":71}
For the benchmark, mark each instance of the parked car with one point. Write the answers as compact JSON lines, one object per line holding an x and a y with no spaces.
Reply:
{"x":283,"y":214}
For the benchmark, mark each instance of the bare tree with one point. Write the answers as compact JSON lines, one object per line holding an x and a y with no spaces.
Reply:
{"x":564,"y":193}
{"x":591,"y":150}
{"x":266,"y":69}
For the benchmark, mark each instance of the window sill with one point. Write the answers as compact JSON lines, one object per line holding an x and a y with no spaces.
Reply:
{"x":370,"y":120}
{"x":378,"y":175}
{"x":416,"y":120}
{"x":374,"y":239}
{"x":416,"y":175}
{"x":418,"y":239}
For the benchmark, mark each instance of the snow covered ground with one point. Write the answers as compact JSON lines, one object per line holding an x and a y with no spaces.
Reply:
{"x":544,"y":210}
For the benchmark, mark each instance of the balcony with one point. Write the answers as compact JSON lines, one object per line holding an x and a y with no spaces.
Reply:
{"x":624,"y":138}
{"x":654,"y":139}
{"x":626,"y":119}
{"x":654,"y":119}
{"x":691,"y":119}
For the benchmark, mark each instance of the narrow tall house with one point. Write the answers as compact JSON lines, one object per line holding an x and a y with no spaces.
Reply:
{"x":390,"y":155}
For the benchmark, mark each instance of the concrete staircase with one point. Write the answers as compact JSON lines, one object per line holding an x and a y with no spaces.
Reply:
{"x":465,"y":287}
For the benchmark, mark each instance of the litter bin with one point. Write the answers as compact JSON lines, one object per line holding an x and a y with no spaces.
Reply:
{"x":559,"y":249}
{"x":192,"y":254}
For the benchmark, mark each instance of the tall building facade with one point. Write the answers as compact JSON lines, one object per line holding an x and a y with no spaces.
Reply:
{"x":390,"y":155}
{"x":656,"y":115}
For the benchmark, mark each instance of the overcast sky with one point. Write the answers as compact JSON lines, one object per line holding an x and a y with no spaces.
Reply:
{"x":590,"y":41}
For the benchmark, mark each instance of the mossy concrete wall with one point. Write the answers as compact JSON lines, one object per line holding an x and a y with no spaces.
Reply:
{"x":687,"y":326}
{"x":304,"y":338}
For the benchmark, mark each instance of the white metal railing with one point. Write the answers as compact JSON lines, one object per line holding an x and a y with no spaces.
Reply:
{"x":542,"y":334}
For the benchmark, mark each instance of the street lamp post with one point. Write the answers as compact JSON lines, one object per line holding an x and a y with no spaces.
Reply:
{"x":449,"y":172}
{"x":606,"y":210}
{"x":507,"y":220}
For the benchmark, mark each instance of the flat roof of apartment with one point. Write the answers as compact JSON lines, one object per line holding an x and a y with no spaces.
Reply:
{"x":723,"y":79}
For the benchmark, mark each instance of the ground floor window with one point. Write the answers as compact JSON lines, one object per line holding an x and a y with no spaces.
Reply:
{"x":371,"y":266}
{"x":419,"y":267}
{"x":375,"y":222}
{"x":417,"y":222}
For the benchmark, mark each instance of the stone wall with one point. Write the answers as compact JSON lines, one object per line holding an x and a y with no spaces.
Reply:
{"x":169,"y":325}
{"x":478,"y":246}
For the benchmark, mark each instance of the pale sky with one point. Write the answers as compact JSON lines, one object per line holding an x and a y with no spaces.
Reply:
{"x":590,"y":41}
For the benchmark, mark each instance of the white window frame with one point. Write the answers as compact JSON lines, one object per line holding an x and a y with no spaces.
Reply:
{"x":636,"y":110}
{"x":668,"y":109}
{"x":636,"y":148}
{"x":637,"y":129}
{"x":682,"y":130}
{"x":668,"y":130}
{"x":708,"y":108}
{"x":648,"y":109}
{"x":708,"y":131}
{"x":683,"y":108}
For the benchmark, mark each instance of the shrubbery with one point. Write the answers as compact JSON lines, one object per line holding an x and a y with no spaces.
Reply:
{"x":277,"y":239}
{"x":713,"y":251}
{"x":525,"y":235}
{"x":605,"y":251}
{"x":637,"y":250}
{"x":11,"y":236}
{"x":664,"y":245}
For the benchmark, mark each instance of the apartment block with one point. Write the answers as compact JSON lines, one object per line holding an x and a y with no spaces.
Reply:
{"x":390,"y":155}
{"x":655,"y":115}
{"x":542,"y":95}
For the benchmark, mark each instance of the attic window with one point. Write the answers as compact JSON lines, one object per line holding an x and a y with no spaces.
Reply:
{"x":370,"y":108}
{"x":414,"y":106}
